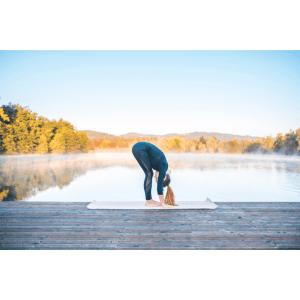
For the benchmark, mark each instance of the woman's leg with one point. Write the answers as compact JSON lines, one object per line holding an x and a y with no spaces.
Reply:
{"x":144,"y":161}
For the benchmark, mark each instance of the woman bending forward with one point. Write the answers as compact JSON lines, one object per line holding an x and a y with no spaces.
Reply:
{"x":150,"y":157}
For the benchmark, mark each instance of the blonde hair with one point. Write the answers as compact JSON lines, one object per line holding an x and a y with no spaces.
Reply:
{"x":170,"y":197}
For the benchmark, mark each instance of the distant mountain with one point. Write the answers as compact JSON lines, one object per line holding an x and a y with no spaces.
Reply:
{"x":195,"y":135}
{"x":134,"y":134}
{"x":192,"y":135}
{"x":97,"y":135}
{"x":219,"y":136}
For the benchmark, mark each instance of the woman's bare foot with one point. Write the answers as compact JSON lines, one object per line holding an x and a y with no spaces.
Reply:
{"x":161,"y":199}
{"x":152,"y":203}
{"x":162,"y":202}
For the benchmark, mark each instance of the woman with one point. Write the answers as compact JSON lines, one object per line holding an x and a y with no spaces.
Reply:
{"x":150,"y":157}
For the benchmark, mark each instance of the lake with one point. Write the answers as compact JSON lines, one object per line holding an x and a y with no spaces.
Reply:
{"x":118,"y":177}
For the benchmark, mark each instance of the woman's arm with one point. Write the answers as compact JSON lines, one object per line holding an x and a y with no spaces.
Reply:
{"x":161,"y":177}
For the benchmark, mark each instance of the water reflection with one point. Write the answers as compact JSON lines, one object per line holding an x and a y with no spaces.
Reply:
{"x":117,"y":176}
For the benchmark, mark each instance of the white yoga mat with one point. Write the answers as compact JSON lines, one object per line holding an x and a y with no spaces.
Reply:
{"x":207,"y":204}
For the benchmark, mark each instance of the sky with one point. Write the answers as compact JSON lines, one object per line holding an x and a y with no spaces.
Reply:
{"x":253,"y":93}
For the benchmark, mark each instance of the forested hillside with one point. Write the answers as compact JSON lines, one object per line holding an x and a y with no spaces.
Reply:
{"x":282,"y":144}
{"x":23,"y":131}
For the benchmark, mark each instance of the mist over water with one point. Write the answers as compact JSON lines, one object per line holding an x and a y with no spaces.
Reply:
{"x":118,"y":177}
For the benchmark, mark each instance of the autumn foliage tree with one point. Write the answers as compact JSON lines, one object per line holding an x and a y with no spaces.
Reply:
{"x":23,"y":131}
{"x":287,"y":144}
{"x":212,"y":144}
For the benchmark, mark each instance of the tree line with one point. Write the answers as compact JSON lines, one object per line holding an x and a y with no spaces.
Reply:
{"x":282,"y":144}
{"x":23,"y":132}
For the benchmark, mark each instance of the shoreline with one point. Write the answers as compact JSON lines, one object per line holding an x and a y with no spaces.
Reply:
{"x":273,"y":156}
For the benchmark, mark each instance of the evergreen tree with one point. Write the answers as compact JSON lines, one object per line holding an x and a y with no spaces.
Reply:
{"x":202,"y":140}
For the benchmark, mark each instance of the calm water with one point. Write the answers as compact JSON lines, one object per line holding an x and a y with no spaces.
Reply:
{"x":118,"y":177}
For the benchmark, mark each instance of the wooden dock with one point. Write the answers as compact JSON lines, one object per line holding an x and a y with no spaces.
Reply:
{"x":37,"y":225}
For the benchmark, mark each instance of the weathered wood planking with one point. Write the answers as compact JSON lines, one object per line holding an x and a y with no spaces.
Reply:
{"x":241,"y":225}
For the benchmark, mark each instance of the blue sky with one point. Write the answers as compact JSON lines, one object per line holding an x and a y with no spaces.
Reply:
{"x":238,"y":92}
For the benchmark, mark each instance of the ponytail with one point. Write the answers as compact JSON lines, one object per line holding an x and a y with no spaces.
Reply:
{"x":170,"y":197}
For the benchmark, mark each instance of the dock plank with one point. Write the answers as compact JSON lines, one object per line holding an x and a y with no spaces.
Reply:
{"x":241,"y":225}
